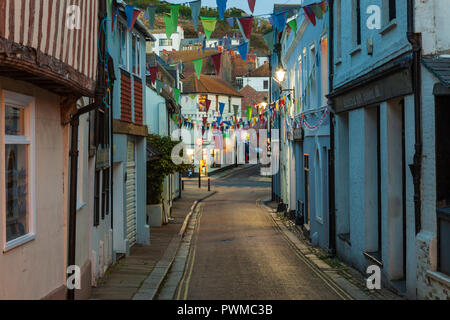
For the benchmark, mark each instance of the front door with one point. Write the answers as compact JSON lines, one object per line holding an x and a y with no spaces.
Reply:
{"x":130,"y":186}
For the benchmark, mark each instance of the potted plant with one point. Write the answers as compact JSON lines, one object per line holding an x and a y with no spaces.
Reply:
{"x":159,"y":166}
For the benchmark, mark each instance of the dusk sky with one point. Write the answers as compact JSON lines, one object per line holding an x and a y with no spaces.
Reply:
{"x":262,"y":6}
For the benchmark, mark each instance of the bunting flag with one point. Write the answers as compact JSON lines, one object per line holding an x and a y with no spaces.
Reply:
{"x":221,"y":108}
{"x":230,"y":22}
{"x":269,"y":39}
{"x":219,"y":120}
{"x":132,"y":14}
{"x":174,"y":12}
{"x":198,"y":65}
{"x":279,"y":20}
{"x":293,"y":25}
{"x":217,"y":58}
{"x":176,"y":94}
{"x":249,"y":112}
{"x":246,"y":26}
{"x":209,"y":25}
{"x":272,"y":22}
{"x":243,"y":49}
{"x":317,"y":10}
{"x":324,"y":6}
{"x":251,"y":5}
{"x":169,"y":26}
{"x":153,"y":73}
{"x":310,"y":15}
{"x":222,"y":7}
{"x":208,"y":105}
{"x":150,"y":15}
{"x":205,"y":121}
{"x":195,"y":12}
{"x":236,"y":110}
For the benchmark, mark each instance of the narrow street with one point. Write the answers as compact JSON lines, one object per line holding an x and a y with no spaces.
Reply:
{"x":238,"y":254}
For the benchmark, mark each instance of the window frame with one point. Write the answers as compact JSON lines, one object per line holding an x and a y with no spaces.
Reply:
{"x":124,"y":29}
{"x":136,"y":55}
{"x":28,"y":103}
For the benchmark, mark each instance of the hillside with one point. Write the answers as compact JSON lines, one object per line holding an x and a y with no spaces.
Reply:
{"x":260,"y":26}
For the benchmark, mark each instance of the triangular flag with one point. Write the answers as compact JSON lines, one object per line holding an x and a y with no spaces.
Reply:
{"x":209,"y":25}
{"x":222,"y":7}
{"x":310,"y":15}
{"x":268,"y":37}
{"x":216,"y":58}
{"x":132,"y":14}
{"x":221,"y":108}
{"x":198,"y":65}
{"x":293,"y":25}
{"x":324,"y":6}
{"x":247,"y":25}
{"x":195,"y":12}
{"x":317,"y":10}
{"x":169,"y":26}
{"x":251,"y":5}
{"x":174,"y":12}
{"x":153,"y":73}
{"x":279,"y":20}
{"x":230,"y":22}
{"x":243,"y":49}
{"x":176,"y":94}
{"x":272,"y":21}
{"x":208,"y":105}
{"x":151,"y":11}
{"x":205,"y":121}
{"x":249,"y":112}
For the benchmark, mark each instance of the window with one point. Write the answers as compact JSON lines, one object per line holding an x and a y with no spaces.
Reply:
{"x":324,"y":51}
{"x":266,"y":84}
{"x":357,"y":22}
{"x":123,"y":59}
{"x":136,"y":55}
{"x":338,"y":30}
{"x":240,"y":82}
{"x":202,"y":102}
{"x":165,"y":42}
{"x":18,"y":168}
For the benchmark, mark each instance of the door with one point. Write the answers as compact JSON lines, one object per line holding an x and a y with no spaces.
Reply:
{"x":130,"y":186}
{"x":307,"y":205}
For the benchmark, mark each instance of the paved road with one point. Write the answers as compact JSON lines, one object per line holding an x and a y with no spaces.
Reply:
{"x":237,"y":254}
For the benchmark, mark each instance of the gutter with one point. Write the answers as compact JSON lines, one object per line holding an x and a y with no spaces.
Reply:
{"x":415,"y":39}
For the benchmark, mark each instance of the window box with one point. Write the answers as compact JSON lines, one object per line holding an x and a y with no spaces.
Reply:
{"x":390,"y":26}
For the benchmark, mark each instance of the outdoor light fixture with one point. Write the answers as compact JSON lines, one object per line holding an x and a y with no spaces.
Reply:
{"x":280,"y":74}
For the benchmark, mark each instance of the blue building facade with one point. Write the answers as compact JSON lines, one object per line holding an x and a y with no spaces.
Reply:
{"x":374,"y":130}
{"x":307,"y":147}
{"x":127,"y":48}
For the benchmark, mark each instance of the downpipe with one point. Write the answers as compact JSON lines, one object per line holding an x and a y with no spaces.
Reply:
{"x":415,"y":39}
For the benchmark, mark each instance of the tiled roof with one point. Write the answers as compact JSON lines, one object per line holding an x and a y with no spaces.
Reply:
{"x":252,"y":97}
{"x":208,"y":84}
{"x":262,"y":71}
{"x":440,"y":67}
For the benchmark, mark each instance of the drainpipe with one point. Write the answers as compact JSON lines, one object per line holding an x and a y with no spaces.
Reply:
{"x":332,"y":178}
{"x":270,"y":128}
{"x":416,"y":168}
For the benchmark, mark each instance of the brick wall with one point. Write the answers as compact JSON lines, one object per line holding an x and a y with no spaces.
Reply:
{"x":125,"y":97}
{"x":138,"y":108}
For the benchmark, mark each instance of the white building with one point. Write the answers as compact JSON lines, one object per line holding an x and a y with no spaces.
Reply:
{"x":193,"y":102}
{"x":258,"y":79}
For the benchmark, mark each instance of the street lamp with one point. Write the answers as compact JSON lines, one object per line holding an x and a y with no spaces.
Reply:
{"x":280,"y":74}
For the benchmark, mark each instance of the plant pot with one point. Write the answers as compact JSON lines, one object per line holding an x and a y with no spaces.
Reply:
{"x":155,"y":215}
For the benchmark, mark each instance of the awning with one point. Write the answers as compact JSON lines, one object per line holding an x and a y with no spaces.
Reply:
{"x":439,"y":66}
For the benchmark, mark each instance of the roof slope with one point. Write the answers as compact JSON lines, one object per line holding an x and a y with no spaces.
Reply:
{"x":262,"y":71}
{"x":252,"y":97}
{"x":440,"y":67}
{"x":208,"y":84}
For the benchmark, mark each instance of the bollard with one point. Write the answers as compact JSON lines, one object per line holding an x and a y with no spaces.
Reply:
{"x":209,"y":184}
{"x":182,"y":185}
{"x":199,"y":180}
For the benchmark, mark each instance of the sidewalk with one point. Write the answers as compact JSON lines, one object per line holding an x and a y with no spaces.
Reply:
{"x":347,"y":278}
{"x":123,"y":280}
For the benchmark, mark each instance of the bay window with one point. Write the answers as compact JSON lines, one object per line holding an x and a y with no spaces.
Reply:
{"x":17,"y":172}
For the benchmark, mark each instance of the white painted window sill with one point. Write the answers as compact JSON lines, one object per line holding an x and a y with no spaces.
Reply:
{"x":391,"y":25}
{"x":338,"y":62}
{"x":355,"y":50}
{"x":440,"y":277}
{"x":19,"y":242}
